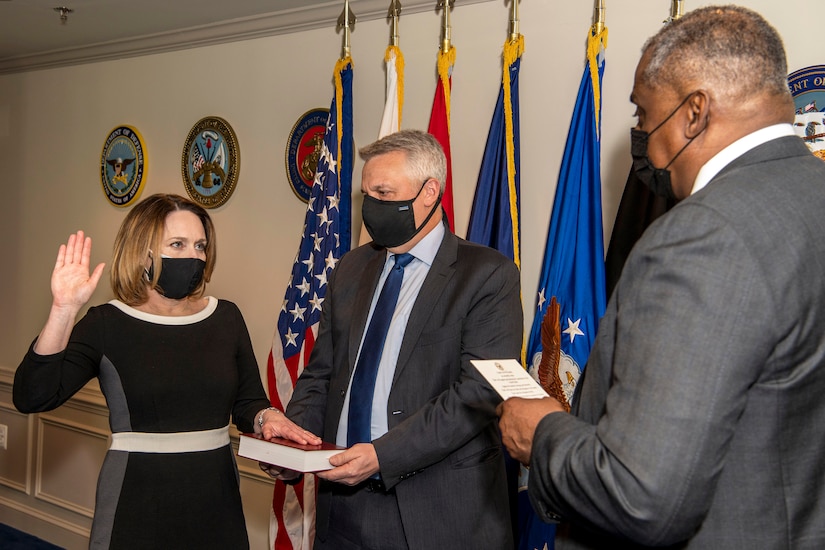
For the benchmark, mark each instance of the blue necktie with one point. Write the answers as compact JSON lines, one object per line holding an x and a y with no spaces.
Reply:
{"x":363,"y":382}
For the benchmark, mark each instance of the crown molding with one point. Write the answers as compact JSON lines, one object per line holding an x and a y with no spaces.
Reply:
{"x":270,"y":24}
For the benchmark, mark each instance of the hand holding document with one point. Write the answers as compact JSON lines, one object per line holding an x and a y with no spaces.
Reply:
{"x":525,"y":404}
{"x":509,"y":378}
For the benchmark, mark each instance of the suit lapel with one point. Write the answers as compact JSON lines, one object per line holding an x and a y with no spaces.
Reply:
{"x":440,"y":274}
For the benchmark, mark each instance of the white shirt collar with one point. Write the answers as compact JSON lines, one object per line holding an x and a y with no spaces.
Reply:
{"x":736,"y":150}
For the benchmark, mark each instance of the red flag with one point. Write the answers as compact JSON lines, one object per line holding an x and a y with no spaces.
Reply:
{"x":440,"y":123}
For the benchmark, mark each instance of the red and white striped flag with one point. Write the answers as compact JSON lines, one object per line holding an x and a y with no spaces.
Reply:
{"x":292,"y":518}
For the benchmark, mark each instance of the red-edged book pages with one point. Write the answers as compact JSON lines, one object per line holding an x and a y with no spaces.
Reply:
{"x":287,"y":454}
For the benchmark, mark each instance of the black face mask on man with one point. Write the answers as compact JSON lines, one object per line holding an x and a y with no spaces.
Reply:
{"x":179,"y":277}
{"x":392,"y":223}
{"x":657,"y":179}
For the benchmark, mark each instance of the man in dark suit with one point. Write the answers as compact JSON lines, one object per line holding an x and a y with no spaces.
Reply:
{"x":430,"y":472}
{"x":700,"y":421}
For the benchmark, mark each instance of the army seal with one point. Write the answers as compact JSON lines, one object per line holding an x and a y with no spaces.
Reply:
{"x":211,"y":162}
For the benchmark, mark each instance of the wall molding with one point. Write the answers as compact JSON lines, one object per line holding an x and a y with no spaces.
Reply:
{"x":24,"y":486}
{"x":40,"y":515}
{"x":269,"y":24}
{"x":61,"y":423}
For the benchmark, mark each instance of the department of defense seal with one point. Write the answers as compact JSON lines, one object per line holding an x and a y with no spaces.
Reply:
{"x":211,"y":162}
{"x":303,"y":149}
{"x":808,"y":90}
{"x":123,"y":164}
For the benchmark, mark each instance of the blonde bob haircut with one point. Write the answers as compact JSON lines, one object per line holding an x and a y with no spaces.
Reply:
{"x":142,"y":232}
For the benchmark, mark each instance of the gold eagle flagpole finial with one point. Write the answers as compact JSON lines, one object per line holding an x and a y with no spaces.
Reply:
{"x":514,"y":22}
{"x":446,"y":28}
{"x":346,"y":21}
{"x":393,"y":15}
{"x":676,"y":10}
{"x":548,"y":369}
{"x":598,"y":17}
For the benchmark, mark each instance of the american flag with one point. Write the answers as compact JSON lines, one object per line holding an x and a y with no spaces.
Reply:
{"x":292,"y":522}
{"x":197,"y":160}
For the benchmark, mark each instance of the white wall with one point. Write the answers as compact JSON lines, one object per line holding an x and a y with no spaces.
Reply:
{"x":53,"y":124}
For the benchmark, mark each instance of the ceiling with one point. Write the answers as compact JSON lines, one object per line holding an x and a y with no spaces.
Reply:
{"x":32,"y":35}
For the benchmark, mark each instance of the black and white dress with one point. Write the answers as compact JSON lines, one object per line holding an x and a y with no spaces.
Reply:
{"x":169,"y":479}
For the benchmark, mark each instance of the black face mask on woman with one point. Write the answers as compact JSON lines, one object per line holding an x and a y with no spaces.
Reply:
{"x":392,"y":223}
{"x":657,"y":179}
{"x":179,"y":277}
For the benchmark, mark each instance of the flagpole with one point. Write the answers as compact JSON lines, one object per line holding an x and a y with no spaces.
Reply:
{"x":346,"y":21}
{"x":446,"y":28}
{"x":676,"y":10}
{"x":393,"y":15}
{"x":598,"y":17}
{"x":514,"y":22}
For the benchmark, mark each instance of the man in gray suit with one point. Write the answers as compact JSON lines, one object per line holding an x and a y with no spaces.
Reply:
{"x":430,"y":472}
{"x":700,"y":422}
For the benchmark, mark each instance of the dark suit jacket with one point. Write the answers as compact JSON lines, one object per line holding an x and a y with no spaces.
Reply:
{"x":442,"y":453}
{"x":701,"y":417}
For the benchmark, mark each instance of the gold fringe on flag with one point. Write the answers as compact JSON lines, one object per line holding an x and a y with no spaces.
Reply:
{"x":512,"y":51}
{"x":596,"y":41}
{"x":340,"y":65}
{"x":399,"y":71}
{"x":446,"y":60}
{"x":513,"y":48}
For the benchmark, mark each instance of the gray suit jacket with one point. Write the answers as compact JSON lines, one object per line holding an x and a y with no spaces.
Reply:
{"x":442,"y":453}
{"x":701,"y":417}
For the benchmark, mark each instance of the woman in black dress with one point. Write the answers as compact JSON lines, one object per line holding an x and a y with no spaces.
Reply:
{"x":175,"y":367}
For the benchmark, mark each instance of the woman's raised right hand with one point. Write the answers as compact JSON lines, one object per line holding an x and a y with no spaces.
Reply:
{"x":72,"y":284}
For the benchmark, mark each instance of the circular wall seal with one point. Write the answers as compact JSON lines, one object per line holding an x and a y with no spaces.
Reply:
{"x":211,"y":162}
{"x":303,"y":149}
{"x":808,"y":90}
{"x":122,"y":165}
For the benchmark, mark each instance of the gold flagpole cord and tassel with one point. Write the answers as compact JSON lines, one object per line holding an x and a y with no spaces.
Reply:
{"x":596,"y":41}
{"x":513,"y":48}
{"x":394,"y":14}
{"x":446,"y":53}
{"x":346,"y":22}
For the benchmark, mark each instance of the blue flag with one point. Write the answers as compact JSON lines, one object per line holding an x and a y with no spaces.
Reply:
{"x":573,"y":266}
{"x":494,"y":218}
{"x":342,"y":108}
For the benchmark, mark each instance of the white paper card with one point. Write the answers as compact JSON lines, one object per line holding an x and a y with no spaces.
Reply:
{"x":509,"y":378}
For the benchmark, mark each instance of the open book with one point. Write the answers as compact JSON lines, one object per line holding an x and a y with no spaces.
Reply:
{"x":287,"y":454}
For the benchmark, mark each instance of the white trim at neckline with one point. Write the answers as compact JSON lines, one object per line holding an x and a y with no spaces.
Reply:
{"x":210,"y":308}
